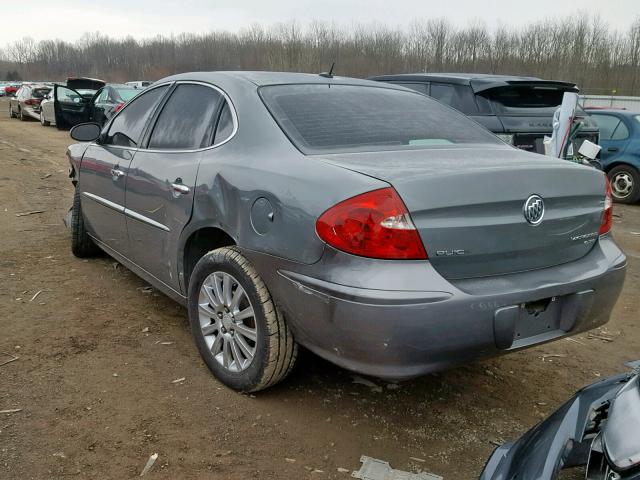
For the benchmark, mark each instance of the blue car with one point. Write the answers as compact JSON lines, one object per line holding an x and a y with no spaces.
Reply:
{"x":620,"y":155}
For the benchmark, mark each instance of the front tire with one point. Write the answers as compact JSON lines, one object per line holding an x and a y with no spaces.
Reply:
{"x":21,"y":115}
{"x":240,"y":333}
{"x":82,"y":246}
{"x":11,"y":114}
{"x":625,"y":184}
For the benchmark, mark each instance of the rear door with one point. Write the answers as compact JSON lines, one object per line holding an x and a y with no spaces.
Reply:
{"x":104,"y":169}
{"x":69,"y":106}
{"x":162,"y":177}
{"x":614,"y":136}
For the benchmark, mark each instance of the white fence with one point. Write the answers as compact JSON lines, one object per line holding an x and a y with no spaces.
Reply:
{"x":629,"y":103}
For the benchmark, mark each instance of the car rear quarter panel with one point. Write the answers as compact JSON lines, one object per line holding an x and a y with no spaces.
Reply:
{"x":259,"y":162}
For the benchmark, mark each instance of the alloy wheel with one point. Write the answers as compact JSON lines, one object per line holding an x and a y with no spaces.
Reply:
{"x":227,"y":321}
{"x":622,"y":184}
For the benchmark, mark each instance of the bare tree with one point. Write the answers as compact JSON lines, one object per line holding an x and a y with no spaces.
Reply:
{"x":585,"y":50}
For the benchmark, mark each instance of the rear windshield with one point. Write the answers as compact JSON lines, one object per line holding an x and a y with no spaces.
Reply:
{"x":525,"y":100}
{"x":127,"y":93}
{"x":320,"y":118}
{"x":40,"y":92}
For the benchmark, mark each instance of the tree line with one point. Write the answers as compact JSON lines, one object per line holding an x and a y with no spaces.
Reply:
{"x":582,"y":49}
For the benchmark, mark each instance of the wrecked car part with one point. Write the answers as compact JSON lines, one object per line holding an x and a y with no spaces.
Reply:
{"x":373,"y":469}
{"x":598,"y":427}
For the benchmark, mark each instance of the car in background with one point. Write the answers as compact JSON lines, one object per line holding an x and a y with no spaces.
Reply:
{"x":26,"y":103}
{"x":108,"y":101}
{"x":517,"y":109}
{"x":381,"y":229}
{"x":76,"y":89}
{"x":139,"y":84}
{"x":620,"y":154}
{"x":11,"y":89}
{"x":2,"y":91}
{"x":72,"y":102}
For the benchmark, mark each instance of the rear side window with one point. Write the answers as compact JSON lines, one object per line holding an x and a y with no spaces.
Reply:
{"x":320,"y":118}
{"x":611,"y":127}
{"x":127,"y":127}
{"x":460,"y":97}
{"x":224,"y":128}
{"x":187,"y":119}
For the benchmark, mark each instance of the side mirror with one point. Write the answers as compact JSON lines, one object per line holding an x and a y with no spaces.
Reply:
{"x":85,"y":132}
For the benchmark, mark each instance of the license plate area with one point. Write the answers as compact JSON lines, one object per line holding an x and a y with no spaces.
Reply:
{"x":537,"y":321}
{"x":535,"y":318}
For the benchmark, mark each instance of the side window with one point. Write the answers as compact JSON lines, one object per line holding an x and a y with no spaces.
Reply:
{"x":621,"y":132}
{"x":608,"y":125}
{"x":460,"y":97}
{"x":126,"y":128}
{"x":187,"y":119}
{"x":418,"y":87}
{"x":225,"y":125}
{"x":66,"y":95}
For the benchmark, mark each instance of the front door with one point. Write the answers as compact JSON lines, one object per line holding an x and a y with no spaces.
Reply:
{"x":162,"y":178}
{"x":70,"y":107}
{"x":102,"y":183}
{"x":104,"y":169}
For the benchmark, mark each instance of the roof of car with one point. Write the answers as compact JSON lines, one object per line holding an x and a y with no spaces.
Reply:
{"x":615,"y":111}
{"x":478,"y":81}
{"x":265,"y":78}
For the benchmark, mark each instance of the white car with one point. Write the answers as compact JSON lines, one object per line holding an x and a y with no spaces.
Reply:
{"x":71,"y":98}
{"x":141,"y":84}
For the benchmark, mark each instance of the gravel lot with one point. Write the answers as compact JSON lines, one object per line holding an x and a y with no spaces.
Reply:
{"x":99,"y":353}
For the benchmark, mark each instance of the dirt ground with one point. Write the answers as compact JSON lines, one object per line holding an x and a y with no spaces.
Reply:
{"x":99,"y":353}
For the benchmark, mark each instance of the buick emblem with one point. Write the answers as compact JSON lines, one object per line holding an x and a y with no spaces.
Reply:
{"x":533,"y":209}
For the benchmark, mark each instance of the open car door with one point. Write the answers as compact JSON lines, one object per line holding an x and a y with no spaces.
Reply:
{"x":72,"y":103}
{"x":70,"y":107}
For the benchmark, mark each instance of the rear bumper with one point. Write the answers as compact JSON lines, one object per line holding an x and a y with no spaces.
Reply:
{"x":402,"y":319}
{"x":33,"y":112}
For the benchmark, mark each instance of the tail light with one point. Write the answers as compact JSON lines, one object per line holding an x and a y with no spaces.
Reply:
{"x":607,"y":214}
{"x":118,"y":107}
{"x":32,"y":101}
{"x":375,"y":224}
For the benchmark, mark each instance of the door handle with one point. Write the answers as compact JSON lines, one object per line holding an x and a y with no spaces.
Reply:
{"x":116,"y":174}
{"x":179,"y":189}
{"x":613,"y":149}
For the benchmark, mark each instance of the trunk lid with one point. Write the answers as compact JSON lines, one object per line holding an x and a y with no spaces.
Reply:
{"x":467,"y":204}
{"x":83,"y":83}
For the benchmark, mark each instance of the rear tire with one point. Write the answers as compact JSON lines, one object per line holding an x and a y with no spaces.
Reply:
{"x":274,"y":348}
{"x":43,"y":122}
{"x":82,"y":246}
{"x":625,"y":184}
{"x":11,"y":114}
{"x":21,"y":115}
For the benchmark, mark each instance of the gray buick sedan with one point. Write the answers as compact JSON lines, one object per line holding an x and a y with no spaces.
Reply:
{"x":368,"y":223}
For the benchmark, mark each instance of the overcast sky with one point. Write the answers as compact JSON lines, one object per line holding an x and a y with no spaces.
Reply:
{"x":69,"y":19}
